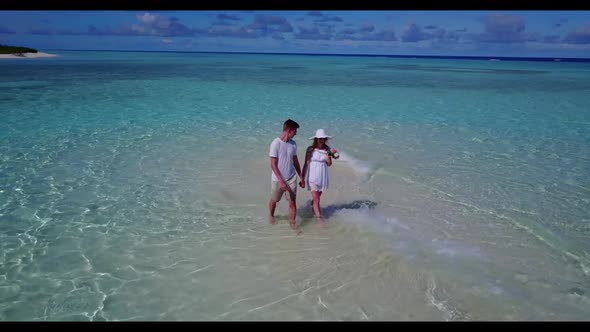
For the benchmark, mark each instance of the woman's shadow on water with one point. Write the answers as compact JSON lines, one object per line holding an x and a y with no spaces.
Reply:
{"x":306,"y":211}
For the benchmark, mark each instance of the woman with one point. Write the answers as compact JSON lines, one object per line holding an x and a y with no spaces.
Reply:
{"x":315,"y":169}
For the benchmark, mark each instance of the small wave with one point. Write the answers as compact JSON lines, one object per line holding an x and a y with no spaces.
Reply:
{"x":455,"y":249}
{"x":362,"y":168}
{"x":402,"y":238}
{"x":24,"y":85}
{"x":449,"y":311}
{"x":365,"y":216}
{"x":550,"y":239}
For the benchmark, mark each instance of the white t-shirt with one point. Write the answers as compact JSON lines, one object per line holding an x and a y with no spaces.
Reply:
{"x":284,"y":151}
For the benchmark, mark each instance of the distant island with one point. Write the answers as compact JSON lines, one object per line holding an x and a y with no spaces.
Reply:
{"x":6,"y":49}
{"x":11,"y":52}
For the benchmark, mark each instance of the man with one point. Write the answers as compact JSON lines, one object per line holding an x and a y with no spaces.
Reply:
{"x":285,"y":168}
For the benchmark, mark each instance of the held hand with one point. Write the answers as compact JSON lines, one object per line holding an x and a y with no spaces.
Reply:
{"x":327,"y":158}
{"x":302,"y":183}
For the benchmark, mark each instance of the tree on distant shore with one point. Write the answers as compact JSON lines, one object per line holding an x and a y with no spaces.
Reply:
{"x":6,"y":49}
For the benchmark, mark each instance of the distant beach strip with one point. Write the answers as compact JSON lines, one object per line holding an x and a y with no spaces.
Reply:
{"x":27,"y":55}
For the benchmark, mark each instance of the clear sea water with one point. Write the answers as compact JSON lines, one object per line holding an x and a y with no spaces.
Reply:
{"x":135,"y":186}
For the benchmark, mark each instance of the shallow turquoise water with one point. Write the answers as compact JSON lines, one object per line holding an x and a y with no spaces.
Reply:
{"x":134,"y":186}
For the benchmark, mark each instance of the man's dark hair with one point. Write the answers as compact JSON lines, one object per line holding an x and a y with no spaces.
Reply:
{"x":290,"y":124}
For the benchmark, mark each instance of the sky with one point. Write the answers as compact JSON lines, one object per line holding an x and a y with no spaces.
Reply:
{"x":537,"y":33}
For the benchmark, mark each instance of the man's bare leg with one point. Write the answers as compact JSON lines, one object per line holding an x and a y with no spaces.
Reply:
{"x":292,"y":214}
{"x":271,"y":207}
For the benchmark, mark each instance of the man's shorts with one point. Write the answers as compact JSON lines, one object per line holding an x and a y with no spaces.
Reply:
{"x":276,"y":193}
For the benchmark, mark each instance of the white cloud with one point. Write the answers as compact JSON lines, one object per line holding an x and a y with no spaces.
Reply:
{"x":147,"y":18}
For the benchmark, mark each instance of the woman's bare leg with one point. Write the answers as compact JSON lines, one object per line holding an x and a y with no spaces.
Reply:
{"x":316,"y":204}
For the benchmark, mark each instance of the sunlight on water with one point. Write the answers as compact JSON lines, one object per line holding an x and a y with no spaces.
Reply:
{"x":135,"y":186}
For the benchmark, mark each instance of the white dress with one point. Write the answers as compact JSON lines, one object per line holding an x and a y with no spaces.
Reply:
{"x":317,"y":175}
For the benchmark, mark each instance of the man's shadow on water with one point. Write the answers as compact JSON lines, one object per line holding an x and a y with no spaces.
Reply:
{"x":306,"y":211}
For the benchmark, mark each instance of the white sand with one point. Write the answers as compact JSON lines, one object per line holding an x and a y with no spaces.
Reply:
{"x":27,"y":55}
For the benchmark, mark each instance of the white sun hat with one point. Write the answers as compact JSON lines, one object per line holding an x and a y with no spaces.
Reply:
{"x":320,"y":133}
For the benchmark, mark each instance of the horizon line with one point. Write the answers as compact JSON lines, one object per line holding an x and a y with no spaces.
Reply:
{"x":488,"y":57}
